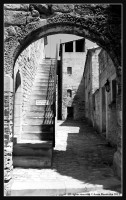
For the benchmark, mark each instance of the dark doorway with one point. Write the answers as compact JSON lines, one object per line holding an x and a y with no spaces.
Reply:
{"x":69,"y":112}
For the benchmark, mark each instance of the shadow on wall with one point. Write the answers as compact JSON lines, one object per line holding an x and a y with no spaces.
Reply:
{"x":78,"y":102}
{"x":75,"y":105}
{"x":17,"y":81}
{"x":87,"y":157}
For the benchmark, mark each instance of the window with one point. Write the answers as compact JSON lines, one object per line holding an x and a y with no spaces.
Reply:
{"x":69,"y":93}
{"x":69,"y":47}
{"x":114,"y":90}
{"x":80,"y":46}
{"x":69,"y":70}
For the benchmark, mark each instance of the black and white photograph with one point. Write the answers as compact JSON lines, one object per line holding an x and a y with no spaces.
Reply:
{"x":63,"y":104}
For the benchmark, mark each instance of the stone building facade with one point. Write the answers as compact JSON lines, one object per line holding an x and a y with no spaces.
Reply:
{"x":73,"y":56}
{"x":91,"y":81}
{"x":108,"y":117}
{"x":100,"y":105}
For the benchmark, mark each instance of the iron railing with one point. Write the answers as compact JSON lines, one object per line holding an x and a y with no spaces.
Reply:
{"x":50,"y":106}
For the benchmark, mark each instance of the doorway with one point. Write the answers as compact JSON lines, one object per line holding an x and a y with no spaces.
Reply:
{"x":69,"y":112}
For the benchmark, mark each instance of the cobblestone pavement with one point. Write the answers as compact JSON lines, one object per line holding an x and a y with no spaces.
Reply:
{"x":80,"y":157}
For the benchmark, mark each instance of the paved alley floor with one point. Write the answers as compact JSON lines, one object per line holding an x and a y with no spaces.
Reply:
{"x":82,"y":165}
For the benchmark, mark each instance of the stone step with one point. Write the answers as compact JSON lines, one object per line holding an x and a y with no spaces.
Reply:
{"x":42,"y":96}
{"x":40,"y":84}
{"x":39,"y":96}
{"x":41,"y":101}
{"x":43,"y":108}
{"x":39,"y":92}
{"x":37,"y":121}
{"x":38,"y":128}
{"x":29,"y":149}
{"x":44,"y":144}
{"x":37,"y":113}
{"x":44,"y":77}
{"x":43,"y":71}
{"x":43,"y":82}
{"x":46,"y":65}
{"x":44,"y":89}
{"x":32,"y":161}
{"x":41,"y":78}
{"x":36,"y":135}
{"x":35,"y":108}
{"x":46,"y":61}
{"x":41,"y":87}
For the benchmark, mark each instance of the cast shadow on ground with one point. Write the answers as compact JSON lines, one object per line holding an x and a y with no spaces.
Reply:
{"x":87,"y":158}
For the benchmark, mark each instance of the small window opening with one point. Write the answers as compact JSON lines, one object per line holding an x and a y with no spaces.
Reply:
{"x":69,"y":70}
{"x":69,"y":93}
{"x":80,"y":46}
{"x":69,"y":47}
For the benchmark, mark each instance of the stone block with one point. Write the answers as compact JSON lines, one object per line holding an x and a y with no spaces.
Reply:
{"x":15,"y":17}
{"x":8,"y":83}
{"x":15,"y":7}
{"x":62,"y":8}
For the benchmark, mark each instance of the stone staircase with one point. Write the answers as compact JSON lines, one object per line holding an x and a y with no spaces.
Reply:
{"x":35,"y":147}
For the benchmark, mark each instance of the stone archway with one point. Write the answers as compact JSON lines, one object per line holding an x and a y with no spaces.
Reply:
{"x":24,"y":24}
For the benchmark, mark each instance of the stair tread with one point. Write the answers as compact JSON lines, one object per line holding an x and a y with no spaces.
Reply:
{"x":35,"y":141}
{"x":33,"y":117}
{"x":35,"y":132}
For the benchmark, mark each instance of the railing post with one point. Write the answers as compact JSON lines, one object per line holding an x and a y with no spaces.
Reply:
{"x":54,"y":95}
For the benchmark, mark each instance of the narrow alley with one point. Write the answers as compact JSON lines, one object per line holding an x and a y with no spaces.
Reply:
{"x":82,"y":165}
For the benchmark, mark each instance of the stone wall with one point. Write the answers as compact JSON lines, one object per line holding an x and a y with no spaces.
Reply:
{"x":107,"y":71}
{"x":98,"y":68}
{"x":8,"y":133}
{"x":27,"y":64}
{"x":91,"y":77}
